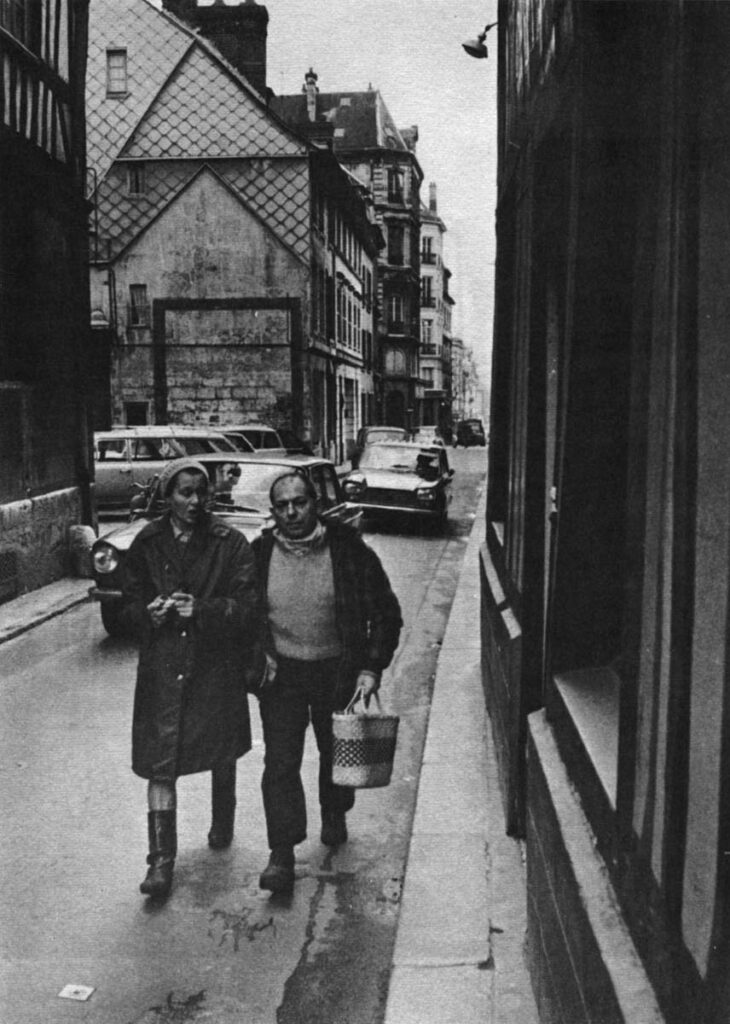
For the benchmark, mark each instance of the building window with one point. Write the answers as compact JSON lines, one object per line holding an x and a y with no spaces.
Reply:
{"x":426,"y":331}
{"x":136,"y":414}
{"x":427,"y":292}
{"x":395,"y":362}
{"x":116,"y":72}
{"x":139,"y":309}
{"x":395,"y":307}
{"x":427,"y":253}
{"x":427,"y":373}
{"x":395,"y":185}
{"x":136,"y":179}
{"x":395,"y":244}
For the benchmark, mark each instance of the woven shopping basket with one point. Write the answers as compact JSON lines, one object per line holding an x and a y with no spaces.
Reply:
{"x":364,"y":746}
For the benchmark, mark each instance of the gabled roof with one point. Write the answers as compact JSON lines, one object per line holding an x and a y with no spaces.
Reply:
{"x":183,"y":97}
{"x":276,"y":190}
{"x":200,"y":113}
{"x":361,"y":119}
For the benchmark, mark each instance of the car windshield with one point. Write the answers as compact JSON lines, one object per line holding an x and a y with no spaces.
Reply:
{"x":248,"y":484}
{"x":203,"y":445}
{"x":399,"y":459}
{"x":384,"y":434}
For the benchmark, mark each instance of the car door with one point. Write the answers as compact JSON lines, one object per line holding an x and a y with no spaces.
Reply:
{"x":331,"y":502}
{"x":112,"y":473}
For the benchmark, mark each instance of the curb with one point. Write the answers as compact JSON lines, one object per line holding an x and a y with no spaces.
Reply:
{"x":38,"y":606}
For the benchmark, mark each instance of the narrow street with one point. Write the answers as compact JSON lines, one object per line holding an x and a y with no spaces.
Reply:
{"x":73,"y":845}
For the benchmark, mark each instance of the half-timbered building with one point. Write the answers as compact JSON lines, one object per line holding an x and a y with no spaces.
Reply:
{"x":44,"y":309}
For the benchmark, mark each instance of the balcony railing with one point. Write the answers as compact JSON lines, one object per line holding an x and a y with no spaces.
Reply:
{"x":428,"y":302}
{"x":429,"y":258}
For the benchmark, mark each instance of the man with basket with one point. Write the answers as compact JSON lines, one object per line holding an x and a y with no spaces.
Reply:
{"x":331,"y":624}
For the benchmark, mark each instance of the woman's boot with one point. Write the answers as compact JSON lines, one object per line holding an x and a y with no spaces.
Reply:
{"x":161,"y":859}
{"x":223,"y":792}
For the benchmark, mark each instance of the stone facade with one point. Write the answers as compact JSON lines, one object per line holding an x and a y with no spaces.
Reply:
{"x":35,"y":537}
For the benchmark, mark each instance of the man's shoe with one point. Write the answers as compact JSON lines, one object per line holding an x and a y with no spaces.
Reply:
{"x":278,"y":875}
{"x":223,"y":801}
{"x":334,"y":829}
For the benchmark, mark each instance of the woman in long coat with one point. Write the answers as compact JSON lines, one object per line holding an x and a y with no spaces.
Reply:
{"x":191,"y":596}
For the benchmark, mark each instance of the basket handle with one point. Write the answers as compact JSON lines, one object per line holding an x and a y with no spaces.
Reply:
{"x":357,"y":695}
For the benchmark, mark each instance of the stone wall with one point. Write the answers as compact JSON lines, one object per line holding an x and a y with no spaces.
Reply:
{"x":35,"y":537}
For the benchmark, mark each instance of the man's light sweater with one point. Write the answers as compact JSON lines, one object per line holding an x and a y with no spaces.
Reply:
{"x":301,"y":600}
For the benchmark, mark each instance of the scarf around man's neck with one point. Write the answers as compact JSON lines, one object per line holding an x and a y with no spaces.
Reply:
{"x":304,"y":545}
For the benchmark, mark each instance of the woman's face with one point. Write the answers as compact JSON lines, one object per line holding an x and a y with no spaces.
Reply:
{"x":187,"y":498}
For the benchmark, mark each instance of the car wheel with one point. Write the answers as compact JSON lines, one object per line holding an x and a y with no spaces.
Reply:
{"x":111,"y":619}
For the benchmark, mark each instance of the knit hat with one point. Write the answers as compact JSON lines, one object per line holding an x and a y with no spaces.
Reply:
{"x":175,"y":466}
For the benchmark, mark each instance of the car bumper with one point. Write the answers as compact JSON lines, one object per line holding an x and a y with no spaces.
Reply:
{"x":395,"y":508}
{"x":104,"y":594}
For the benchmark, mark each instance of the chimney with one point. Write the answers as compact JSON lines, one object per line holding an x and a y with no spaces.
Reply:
{"x":410,"y":137}
{"x":432,"y":205}
{"x":238,"y":32}
{"x":310,"y":88}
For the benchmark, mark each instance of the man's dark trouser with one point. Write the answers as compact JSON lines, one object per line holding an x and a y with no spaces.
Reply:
{"x":302,"y":691}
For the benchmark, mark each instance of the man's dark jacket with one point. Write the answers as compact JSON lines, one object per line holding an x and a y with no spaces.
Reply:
{"x":367,"y":612}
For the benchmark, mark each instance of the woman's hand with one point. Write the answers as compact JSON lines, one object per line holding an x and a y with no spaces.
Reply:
{"x":159,"y":609}
{"x":184,"y":604}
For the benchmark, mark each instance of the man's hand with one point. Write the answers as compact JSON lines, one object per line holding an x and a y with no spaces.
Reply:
{"x":184,"y":604}
{"x":368,"y":683}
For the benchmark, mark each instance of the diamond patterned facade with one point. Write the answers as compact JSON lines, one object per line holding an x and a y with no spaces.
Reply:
{"x":184,"y":106}
{"x":202,"y":112}
{"x":276,"y":190}
{"x":154,"y":46}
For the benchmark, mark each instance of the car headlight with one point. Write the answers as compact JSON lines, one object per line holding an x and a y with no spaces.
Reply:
{"x":105,"y":558}
{"x":425,"y":494}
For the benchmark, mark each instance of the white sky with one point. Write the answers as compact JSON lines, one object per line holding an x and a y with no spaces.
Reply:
{"x":410,"y":50}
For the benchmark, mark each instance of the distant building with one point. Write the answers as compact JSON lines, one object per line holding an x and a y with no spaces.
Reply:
{"x":233,"y":258}
{"x":45,"y":463}
{"x":383,"y":159}
{"x":606,"y":564}
{"x":436,"y":306}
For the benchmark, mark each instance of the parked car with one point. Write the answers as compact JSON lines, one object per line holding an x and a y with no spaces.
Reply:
{"x":240,"y":485}
{"x":402,"y":478}
{"x":428,"y":435}
{"x":126,"y":457}
{"x":294,"y":444}
{"x":373,"y":435}
{"x":259,"y":436}
{"x":470,"y":432}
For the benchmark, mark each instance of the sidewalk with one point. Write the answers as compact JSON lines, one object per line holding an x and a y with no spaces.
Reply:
{"x":36,"y":607}
{"x":459,"y":949}
{"x":458,"y":955}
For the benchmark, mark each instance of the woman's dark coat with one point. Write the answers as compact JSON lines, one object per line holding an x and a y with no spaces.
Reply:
{"x":190,"y":706}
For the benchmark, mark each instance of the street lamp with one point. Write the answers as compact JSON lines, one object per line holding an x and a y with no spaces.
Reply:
{"x":476,"y":47}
